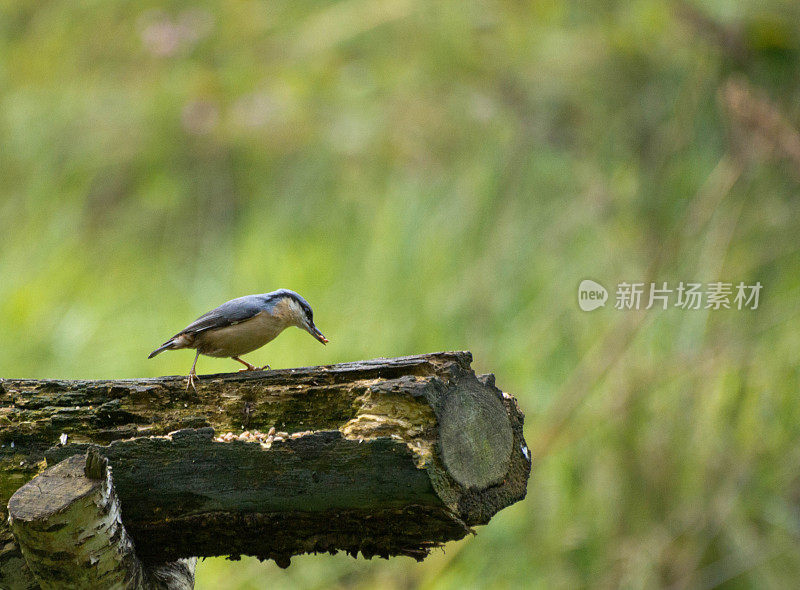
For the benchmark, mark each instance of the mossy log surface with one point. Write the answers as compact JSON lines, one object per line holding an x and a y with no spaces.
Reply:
{"x":383,"y":457}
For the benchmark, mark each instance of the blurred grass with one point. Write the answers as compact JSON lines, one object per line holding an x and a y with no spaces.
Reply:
{"x":431,"y":177}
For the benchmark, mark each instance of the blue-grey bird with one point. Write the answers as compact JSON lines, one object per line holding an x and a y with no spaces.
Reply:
{"x":242,"y":325}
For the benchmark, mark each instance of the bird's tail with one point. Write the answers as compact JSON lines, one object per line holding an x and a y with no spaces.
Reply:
{"x":166,"y":346}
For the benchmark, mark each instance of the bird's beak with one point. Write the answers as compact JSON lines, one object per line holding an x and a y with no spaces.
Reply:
{"x":312,"y":329}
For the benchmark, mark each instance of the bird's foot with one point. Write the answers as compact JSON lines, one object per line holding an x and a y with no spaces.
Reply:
{"x":190,"y":385}
{"x":248,"y":366}
{"x":254,"y":368}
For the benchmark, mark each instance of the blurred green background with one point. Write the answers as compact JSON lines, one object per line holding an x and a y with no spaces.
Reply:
{"x":434,"y":176}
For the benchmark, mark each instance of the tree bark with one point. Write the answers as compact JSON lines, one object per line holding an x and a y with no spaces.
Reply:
{"x":67,"y":522}
{"x":383,"y":457}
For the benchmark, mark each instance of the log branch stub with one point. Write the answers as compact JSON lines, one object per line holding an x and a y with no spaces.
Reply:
{"x":67,"y":522}
{"x":382,"y":457}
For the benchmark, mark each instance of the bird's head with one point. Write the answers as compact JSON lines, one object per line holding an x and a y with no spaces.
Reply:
{"x":299,"y":313}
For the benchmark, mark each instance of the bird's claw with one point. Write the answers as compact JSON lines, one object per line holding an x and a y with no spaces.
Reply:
{"x":254,"y":368}
{"x":190,"y":384}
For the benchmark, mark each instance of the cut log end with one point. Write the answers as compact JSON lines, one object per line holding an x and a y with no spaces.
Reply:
{"x":52,"y":492}
{"x":475,"y":436}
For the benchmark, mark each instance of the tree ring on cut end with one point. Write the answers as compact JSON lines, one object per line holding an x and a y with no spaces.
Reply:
{"x":475,"y":436}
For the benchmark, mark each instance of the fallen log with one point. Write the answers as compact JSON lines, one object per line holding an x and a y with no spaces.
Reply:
{"x":382,"y":457}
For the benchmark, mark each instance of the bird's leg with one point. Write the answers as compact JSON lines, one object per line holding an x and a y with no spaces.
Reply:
{"x":249,"y":366}
{"x":193,"y":374}
{"x":245,"y":363}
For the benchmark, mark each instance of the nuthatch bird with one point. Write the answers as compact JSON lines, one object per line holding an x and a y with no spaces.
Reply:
{"x":242,"y":325}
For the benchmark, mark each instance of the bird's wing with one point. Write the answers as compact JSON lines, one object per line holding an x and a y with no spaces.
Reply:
{"x":230,"y":313}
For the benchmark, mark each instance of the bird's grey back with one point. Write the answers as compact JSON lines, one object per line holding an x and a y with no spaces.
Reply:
{"x":239,"y":309}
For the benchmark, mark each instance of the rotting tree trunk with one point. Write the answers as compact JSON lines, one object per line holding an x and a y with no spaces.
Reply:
{"x":384,"y":457}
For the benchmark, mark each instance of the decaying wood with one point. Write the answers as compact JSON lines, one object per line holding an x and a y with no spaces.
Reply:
{"x":382,"y":457}
{"x":67,"y":522}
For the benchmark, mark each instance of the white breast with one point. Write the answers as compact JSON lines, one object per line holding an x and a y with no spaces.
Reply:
{"x":240,"y":338}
